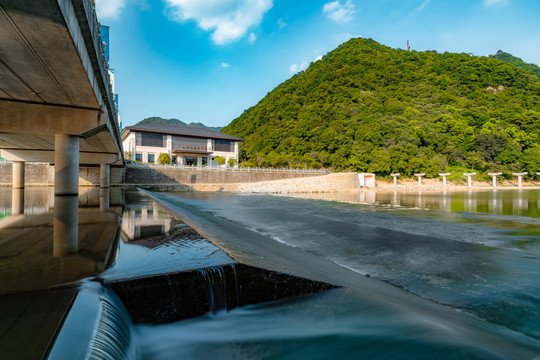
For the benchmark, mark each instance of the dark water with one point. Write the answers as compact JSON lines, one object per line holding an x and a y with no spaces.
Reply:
{"x":476,"y":254}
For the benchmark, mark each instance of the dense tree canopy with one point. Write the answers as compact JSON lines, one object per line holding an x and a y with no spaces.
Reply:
{"x":368,"y":107}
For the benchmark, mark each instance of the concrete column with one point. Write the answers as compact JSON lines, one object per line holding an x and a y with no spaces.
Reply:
{"x":104,"y":199}
{"x":395,"y":176}
{"x":444,"y":175}
{"x":494,"y":176}
{"x":66,"y":165}
{"x":419,"y":175}
{"x":18,"y":175}
{"x":469,"y":178}
{"x":104,"y":175}
{"x":199,"y":162}
{"x":519,"y":175}
{"x":66,"y":225}
{"x":66,"y":191}
{"x":17,"y":192}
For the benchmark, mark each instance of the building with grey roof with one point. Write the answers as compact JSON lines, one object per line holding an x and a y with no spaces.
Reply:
{"x":185,"y":144}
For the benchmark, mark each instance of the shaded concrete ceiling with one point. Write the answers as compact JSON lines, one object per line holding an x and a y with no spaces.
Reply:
{"x":49,"y":81}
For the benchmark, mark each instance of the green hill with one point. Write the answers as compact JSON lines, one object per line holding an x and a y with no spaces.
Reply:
{"x":368,"y":107}
{"x":157,"y":119}
{"x":504,"y":56}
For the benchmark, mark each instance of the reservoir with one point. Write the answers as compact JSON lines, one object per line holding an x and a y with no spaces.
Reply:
{"x":450,"y":275}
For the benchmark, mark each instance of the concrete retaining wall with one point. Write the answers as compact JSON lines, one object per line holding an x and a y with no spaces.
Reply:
{"x":43,"y":175}
{"x":149,"y":175}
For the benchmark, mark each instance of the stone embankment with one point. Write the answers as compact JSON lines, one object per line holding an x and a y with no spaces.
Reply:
{"x":315,"y":184}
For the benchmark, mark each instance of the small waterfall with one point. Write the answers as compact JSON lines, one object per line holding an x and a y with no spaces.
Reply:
{"x":97,"y":326}
{"x":216,"y":288}
{"x":113,"y":335}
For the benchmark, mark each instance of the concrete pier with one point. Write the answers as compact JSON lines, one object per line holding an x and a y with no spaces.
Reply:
{"x":66,"y":194}
{"x":66,"y":165}
{"x":395,"y":176}
{"x":17,"y":194}
{"x":104,"y":176}
{"x":444,"y":175}
{"x":520,"y":176}
{"x":104,"y":199}
{"x":66,"y":225}
{"x":469,"y":178}
{"x":419,"y":175}
{"x":494,"y":175}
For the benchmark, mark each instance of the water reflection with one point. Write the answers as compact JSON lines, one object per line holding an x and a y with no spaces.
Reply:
{"x":56,"y":240}
{"x":520,"y":202}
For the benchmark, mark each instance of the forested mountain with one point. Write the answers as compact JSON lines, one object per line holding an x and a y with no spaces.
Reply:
{"x":368,"y":107}
{"x":157,"y":119}
{"x":504,"y":56}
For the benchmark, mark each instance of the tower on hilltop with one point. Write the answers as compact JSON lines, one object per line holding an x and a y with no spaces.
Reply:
{"x":408,"y":47}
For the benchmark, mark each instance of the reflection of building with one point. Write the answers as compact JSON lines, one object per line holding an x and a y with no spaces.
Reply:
{"x":185,"y":144}
{"x":141,"y":222}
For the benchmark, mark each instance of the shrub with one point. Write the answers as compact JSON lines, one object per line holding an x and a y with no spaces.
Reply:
{"x":164,"y":159}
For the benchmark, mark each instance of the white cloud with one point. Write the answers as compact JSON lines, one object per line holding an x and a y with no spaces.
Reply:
{"x":281,"y":24}
{"x":228,"y":20}
{"x":251,"y":39}
{"x":499,"y":3}
{"x":423,"y":5}
{"x":341,"y":13}
{"x":225,"y":65}
{"x":344,"y":37}
{"x":109,"y":9}
{"x":294,"y":68}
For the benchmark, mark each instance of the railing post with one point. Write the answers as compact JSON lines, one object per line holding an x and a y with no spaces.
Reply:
{"x":494,"y":176}
{"x":444,"y":175}
{"x":469,"y":178}
{"x":519,"y":175}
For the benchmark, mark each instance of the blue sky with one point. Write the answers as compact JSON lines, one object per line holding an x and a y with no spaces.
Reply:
{"x":209,"y":60}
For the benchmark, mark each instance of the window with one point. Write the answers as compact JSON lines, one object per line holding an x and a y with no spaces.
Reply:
{"x":138,"y":157}
{"x":151,"y":158}
{"x":190,"y":160}
{"x":174,"y":159}
{"x":152,"y":140}
{"x":223,"y":145}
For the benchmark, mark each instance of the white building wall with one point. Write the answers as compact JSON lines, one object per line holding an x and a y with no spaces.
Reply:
{"x":130,"y":145}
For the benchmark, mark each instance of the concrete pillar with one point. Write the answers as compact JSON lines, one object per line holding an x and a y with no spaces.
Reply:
{"x":18,"y":175}
{"x":104,"y":175}
{"x":104,"y":199}
{"x":395,"y":176}
{"x":17,"y":192}
{"x":469,"y":178}
{"x":199,"y":162}
{"x":66,"y":191}
{"x":66,"y":225}
{"x":519,"y":175}
{"x":494,"y":176}
{"x":419,"y":175}
{"x":444,"y":175}
{"x":66,"y":165}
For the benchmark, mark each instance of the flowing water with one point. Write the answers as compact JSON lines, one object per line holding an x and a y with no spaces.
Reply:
{"x":476,"y":253}
{"x":475,"y":257}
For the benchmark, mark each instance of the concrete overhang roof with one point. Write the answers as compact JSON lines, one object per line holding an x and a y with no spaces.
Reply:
{"x":53,"y":78}
{"x":179,"y":130}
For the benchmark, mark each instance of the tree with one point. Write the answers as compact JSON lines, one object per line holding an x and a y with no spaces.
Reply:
{"x":164,"y":159}
{"x":220,"y":160}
